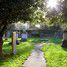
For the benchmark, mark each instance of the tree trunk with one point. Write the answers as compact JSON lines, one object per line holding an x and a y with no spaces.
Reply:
{"x":1,"y":43}
{"x":1,"y":40}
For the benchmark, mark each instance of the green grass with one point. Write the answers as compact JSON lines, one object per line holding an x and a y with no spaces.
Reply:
{"x":38,"y":40}
{"x":55,"y":55}
{"x":55,"y":40}
{"x":23,"y":51}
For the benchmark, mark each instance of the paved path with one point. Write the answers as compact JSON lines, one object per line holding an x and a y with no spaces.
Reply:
{"x":36,"y":59}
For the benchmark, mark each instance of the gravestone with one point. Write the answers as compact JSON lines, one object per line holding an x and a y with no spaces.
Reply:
{"x":64,"y":43}
{"x":16,"y":36}
{"x":24,"y":36}
{"x":17,"y":41}
{"x":14,"y":42}
{"x":8,"y":34}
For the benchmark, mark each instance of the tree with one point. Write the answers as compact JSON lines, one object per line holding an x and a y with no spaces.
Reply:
{"x":60,"y":18}
{"x":12,"y":11}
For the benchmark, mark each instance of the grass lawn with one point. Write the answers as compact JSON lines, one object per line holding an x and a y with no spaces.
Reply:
{"x":23,"y":51}
{"x":55,"y":55}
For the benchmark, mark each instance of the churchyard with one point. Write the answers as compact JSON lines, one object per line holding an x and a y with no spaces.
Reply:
{"x":53,"y":52}
{"x":33,"y":33}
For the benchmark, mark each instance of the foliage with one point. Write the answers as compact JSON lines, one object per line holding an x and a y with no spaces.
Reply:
{"x":58,"y":15}
{"x":38,"y":16}
{"x":14,"y":10}
{"x":64,"y":10}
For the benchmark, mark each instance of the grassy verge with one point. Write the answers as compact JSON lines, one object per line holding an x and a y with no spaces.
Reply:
{"x":55,"y":55}
{"x":23,"y":51}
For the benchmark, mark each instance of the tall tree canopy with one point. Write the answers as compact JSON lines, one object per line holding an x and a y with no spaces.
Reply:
{"x":14,"y":10}
{"x":57,"y":11}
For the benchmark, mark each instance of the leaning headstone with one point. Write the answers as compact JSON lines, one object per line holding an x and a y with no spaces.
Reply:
{"x":14,"y":43}
{"x":64,"y":43}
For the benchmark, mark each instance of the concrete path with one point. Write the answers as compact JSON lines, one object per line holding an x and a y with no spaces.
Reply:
{"x":36,"y":59}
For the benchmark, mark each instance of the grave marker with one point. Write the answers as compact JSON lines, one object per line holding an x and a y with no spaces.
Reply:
{"x":64,"y":44}
{"x":14,"y":43}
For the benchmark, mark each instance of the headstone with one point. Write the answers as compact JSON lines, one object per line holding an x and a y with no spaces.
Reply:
{"x":24,"y":36}
{"x":16,"y":36}
{"x":14,"y":43}
{"x":65,"y":36}
{"x":17,"y":41}
{"x":64,"y":43}
{"x":3,"y":36}
{"x":8,"y":34}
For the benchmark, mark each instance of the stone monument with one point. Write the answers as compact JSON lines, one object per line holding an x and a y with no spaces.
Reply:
{"x":14,"y":43}
{"x":64,"y":43}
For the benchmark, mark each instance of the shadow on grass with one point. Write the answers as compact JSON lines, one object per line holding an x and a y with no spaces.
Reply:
{"x":46,"y":40}
{"x":55,"y":40}
{"x":38,"y":40}
{"x":4,"y":58}
{"x":64,"y":48}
